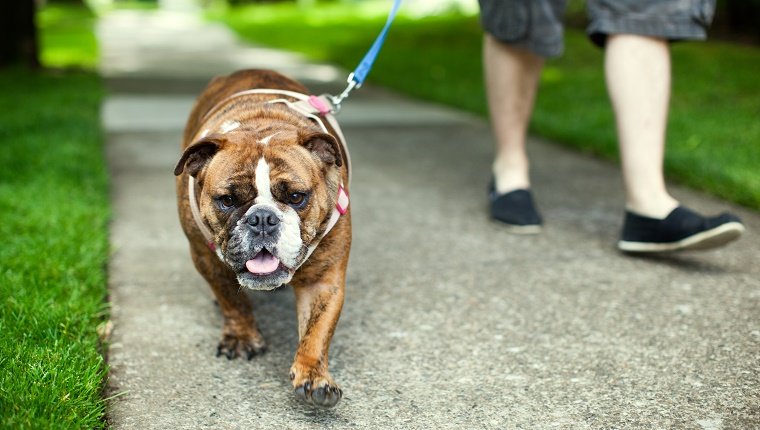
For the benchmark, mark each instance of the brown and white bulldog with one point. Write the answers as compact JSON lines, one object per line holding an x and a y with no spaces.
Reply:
{"x":268,"y":183}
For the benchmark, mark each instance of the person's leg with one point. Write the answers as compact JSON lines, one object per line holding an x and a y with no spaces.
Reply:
{"x":635,"y":34}
{"x":512,"y":80}
{"x":519,"y":35}
{"x":637,"y":69}
{"x":511,"y":75}
{"x":638,"y":81}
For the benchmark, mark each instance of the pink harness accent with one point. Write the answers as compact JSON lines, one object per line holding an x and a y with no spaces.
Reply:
{"x":320,"y":104}
{"x":342,"y":204}
{"x":316,"y":108}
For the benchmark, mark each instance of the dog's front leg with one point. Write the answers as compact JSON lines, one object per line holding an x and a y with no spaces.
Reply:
{"x":240,"y":335}
{"x":318,"y":306}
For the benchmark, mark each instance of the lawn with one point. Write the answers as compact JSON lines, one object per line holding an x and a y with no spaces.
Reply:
{"x":713,"y":135}
{"x":54,"y":205}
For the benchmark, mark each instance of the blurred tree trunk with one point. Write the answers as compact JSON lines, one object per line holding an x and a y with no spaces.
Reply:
{"x":742,"y":16}
{"x":18,"y":33}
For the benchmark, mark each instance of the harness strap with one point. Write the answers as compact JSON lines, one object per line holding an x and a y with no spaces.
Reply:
{"x":197,"y":214}
{"x":316,"y":108}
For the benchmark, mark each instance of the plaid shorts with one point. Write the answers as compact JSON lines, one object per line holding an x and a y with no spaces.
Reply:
{"x":536,"y":25}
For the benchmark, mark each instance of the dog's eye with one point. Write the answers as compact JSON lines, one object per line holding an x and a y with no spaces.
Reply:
{"x":297,"y":200}
{"x":225,"y":202}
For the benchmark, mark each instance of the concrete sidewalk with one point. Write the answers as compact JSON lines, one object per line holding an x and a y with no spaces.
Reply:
{"x":449,"y":322}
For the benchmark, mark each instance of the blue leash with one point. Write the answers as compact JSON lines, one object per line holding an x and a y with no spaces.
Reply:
{"x":357,"y":77}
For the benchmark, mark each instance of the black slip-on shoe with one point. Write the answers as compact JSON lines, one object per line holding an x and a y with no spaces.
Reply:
{"x":683,"y":229}
{"x":516,"y":209}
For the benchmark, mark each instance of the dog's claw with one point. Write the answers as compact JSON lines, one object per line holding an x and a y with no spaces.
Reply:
{"x":232,"y":347}
{"x":301,"y":393}
{"x":251,"y":352}
{"x":325,"y":396}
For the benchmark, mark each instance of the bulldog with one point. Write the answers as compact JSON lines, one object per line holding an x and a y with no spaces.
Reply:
{"x":262,"y":190}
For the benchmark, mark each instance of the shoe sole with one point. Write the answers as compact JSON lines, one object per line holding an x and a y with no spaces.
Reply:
{"x":708,"y":239}
{"x":522,"y":229}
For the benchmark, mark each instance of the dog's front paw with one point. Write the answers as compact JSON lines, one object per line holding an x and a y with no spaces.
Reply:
{"x":315,"y":387}
{"x":246,"y":343}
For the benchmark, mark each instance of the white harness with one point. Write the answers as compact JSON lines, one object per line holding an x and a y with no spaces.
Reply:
{"x":316,"y":108}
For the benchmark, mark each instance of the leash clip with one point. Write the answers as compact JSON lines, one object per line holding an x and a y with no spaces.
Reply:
{"x":337,"y":100}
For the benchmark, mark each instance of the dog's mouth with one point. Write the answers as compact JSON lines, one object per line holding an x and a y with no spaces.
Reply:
{"x":263,"y":263}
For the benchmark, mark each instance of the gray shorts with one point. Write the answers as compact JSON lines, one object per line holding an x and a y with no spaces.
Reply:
{"x":536,"y":25}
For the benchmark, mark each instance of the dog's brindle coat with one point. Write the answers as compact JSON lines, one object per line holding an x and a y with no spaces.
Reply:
{"x":222,"y":153}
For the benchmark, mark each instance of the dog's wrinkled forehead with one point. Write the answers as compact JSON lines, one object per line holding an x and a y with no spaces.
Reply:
{"x":237,"y":132}
{"x":287,"y":160}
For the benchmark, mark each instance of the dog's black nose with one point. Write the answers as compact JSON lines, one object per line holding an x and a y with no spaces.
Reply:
{"x":263,"y":221}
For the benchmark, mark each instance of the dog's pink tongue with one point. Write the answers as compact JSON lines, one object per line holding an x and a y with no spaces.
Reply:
{"x":263,"y":263}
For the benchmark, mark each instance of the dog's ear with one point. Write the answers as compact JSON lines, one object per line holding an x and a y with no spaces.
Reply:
{"x":197,"y":155}
{"x":324,"y":146}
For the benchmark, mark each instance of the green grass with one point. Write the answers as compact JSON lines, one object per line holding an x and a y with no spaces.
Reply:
{"x":713,"y":135}
{"x":54,"y":206}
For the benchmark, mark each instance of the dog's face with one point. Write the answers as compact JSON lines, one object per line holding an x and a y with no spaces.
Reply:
{"x":267,"y":197}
